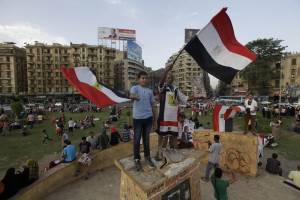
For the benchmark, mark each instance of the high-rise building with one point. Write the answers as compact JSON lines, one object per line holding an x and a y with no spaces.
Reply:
{"x":188,"y":74}
{"x":154,"y":77}
{"x":238,"y":86}
{"x":44,"y":65}
{"x":290,"y":74}
{"x":126,"y":72}
{"x":13,"y":77}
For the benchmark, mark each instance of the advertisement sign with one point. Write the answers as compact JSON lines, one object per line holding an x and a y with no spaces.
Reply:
{"x":134,"y":51}
{"x":116,"y":33}
{"x":189,"y":33}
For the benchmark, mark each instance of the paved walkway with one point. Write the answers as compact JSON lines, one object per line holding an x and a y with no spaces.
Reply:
{"x":105,"y":185}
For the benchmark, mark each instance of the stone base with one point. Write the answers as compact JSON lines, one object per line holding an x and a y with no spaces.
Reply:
{"x":180,"y":180}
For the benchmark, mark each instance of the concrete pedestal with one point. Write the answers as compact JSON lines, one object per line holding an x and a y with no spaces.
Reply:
{"x":180,"y":180}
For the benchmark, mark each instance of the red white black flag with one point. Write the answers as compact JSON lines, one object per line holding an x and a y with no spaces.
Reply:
{"x":216,"y":49}
{"x":86,"y":83}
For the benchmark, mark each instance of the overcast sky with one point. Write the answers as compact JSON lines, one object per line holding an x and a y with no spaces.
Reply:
{"x":159,"y":23}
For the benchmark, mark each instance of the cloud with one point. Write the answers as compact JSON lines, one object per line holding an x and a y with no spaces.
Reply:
{"x":27,"y":33}
{"x":113,"y":2}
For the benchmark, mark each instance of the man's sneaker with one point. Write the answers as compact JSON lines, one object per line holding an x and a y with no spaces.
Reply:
{"x":138,"y":165}
{"x":149,"y":162}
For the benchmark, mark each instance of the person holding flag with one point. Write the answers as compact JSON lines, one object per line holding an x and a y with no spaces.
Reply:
{"x":169,"y":99}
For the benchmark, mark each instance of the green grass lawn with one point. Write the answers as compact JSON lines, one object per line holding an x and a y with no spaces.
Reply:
{"x":16,"y":149}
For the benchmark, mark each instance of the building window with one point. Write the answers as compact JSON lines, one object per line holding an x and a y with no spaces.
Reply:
{"x":7,"y":58}
{"x":294,"y":61}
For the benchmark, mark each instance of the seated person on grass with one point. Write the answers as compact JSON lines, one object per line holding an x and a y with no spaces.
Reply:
{"x":69,"y":152}
{"x":114,"y":136}
{"x":273,"y":165}
{"x":84,"y":146}
{"x":92,"y":139}
{"x":103,"y":140}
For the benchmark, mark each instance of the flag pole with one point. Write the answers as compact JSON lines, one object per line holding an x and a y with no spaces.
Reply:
{"x":181,"y":50}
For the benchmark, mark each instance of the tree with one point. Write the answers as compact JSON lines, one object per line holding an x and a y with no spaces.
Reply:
{"x":260,"y":73}
{"x":17,"y":108}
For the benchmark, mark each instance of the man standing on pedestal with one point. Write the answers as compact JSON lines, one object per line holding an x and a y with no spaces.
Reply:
{"x":143,"y":118}
{"x":169,"y":98}
{"x":250,"y":116}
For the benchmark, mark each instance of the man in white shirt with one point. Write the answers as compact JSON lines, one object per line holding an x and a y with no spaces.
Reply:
{"x":250,"y":116}
{"x":71,"y":125}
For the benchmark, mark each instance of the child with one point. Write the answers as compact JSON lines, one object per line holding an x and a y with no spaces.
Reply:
{"x":46,"y":136}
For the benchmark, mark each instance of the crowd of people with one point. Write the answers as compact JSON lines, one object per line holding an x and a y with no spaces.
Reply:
{"x":173,"y":127}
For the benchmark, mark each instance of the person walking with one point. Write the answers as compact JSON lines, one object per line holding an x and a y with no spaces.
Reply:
{"x":214,"y":154}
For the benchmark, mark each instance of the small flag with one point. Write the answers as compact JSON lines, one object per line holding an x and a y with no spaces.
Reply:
{"x":222,"y":113}
{"x":86,"y":83}
{"x":219,"y":118}
{"x":217,"y":51}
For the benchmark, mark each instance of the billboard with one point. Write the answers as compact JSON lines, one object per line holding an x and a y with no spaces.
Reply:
{"x":134,"y":51}
{"x":116,"y":33}
{"x":189,"y":33}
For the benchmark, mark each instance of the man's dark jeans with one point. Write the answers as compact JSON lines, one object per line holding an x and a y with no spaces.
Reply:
{"x":142,"y":128}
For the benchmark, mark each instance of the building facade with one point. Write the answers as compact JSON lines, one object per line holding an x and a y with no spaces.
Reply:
{"x":290,"y":76}
{"x":44,"y":66}
{"x":238,"y":86}
{"x":126,"y":72}
{"x":13,"y":76}
{"x":188,"y":75}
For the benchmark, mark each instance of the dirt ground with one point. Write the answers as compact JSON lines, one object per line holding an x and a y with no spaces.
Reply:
{"x":105,"y":185}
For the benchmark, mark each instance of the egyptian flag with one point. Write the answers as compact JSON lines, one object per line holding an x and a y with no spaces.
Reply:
{"x":86,"y":83}
{"x":233,"y":110}
{"x":219,"y":117}
{"x":217,"y":51}
{"x":223,"y":115}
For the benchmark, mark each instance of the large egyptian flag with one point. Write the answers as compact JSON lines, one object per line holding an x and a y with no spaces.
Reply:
{"x":86,"y":83}
{"x":216,"y":49}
